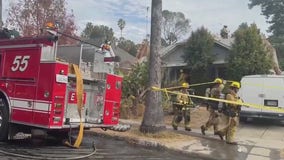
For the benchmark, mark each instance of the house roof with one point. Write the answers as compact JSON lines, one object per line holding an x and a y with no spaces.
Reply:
{"x":226,"y":43}
{"x":167,"y":50}
{"x":124,"y":56}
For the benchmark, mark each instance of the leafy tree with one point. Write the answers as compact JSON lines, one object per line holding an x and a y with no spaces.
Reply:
{"x":274,"y":13}
{"x":97,"y":34}
{"x":198,"y":56}
{"x":135,"y":84}
{"x":249,"y":55}
{"x":29,"y":17}
{"x":128,"y":46}
{"x":121,"y":24}
{"x":198,"y":48}
{"x":174,"y":26}
{"x":153,"y":120}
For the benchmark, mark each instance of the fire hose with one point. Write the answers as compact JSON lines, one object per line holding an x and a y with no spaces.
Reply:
{"x":79,"y":92}
{"x":49,"y":158}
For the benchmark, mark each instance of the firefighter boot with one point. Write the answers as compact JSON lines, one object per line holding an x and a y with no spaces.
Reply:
{"x":220,"y":134}
{"x":203,"y":129}
{"x":187,"y":128}
{"x":232,"y":143}
{"x":186,"y":124}
{"x":174,"y":124}
{"x":230,"y":135}
{"x":176,"y":120}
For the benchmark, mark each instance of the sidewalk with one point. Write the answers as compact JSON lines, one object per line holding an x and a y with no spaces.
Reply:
{"x":207,"y":147}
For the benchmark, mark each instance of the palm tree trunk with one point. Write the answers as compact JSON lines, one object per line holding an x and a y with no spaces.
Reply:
{"x":153,"y":120}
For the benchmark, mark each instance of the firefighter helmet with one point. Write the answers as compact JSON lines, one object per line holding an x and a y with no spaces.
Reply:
{"x":185,"y":85}
{"x":235,"y":85}
{"x":218,"y":80}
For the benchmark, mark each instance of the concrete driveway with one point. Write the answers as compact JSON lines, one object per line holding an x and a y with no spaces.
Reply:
{"x":265,"y":138}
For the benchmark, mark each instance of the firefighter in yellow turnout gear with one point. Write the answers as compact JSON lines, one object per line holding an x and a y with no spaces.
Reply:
{"x":231,"y":112}
{"x":182,"y":109}
{"x":212,"y":107}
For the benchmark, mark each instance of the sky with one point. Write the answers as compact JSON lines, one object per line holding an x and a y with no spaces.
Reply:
{"x":212,"y":14}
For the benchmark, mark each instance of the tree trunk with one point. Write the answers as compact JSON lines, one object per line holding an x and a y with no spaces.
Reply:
{"x":153,"y":120}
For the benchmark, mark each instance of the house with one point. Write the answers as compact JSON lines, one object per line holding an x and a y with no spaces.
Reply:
{"x":173,"y":62}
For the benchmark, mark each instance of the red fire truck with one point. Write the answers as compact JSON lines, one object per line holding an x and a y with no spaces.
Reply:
{"x":38,"y":92}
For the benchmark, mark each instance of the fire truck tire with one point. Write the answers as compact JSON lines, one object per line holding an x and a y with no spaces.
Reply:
{"x":4,"y":120}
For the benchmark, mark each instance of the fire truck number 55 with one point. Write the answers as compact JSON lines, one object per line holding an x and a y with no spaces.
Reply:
{"x":20,"y":63}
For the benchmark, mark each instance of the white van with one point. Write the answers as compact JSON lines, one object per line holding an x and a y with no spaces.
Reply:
{"x":267,"y":90}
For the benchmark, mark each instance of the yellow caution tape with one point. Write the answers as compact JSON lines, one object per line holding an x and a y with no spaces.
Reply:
{"x":200,"y":84}
{"x":79,"y":92}
{"x":166,"y":91}
{"x":190,"y":85}
{"x":196,"y":84}
{"x":276,"y":109}
{"x":230,"y":81}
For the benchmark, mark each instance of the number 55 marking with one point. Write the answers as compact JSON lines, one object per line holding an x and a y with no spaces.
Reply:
{"x":20,"y":63}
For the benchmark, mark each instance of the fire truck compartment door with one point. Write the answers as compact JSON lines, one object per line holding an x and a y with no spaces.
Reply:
{"x":23,"y":103}
{"x":95,"y":102}
{"x":112,"y":99}
{"x":21,"y":63}
{"x":71,"y":107}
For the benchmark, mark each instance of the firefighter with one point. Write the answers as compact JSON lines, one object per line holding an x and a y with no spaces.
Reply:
{"x":231,"y":112}
{"x":224,"y":32}
{"x":106,"y":46}
{"x":184,"y":77}
{"x":182,"y":109}
{"x":212,"y":107}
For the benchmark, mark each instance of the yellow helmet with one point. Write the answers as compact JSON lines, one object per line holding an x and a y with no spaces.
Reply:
{"x":218,"y":80}
{"x":185,"y":85}
{"x":236,"y":85}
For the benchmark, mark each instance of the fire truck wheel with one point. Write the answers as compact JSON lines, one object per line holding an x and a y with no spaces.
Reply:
{"x":4,"y":124}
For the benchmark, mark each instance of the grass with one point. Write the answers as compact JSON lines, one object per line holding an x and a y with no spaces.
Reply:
{"x":160,"y":135}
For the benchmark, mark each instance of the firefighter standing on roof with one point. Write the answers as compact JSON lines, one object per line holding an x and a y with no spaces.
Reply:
{"x":213,"y":119}
{"x":182,"y":109}
{"x":231,"y":111}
